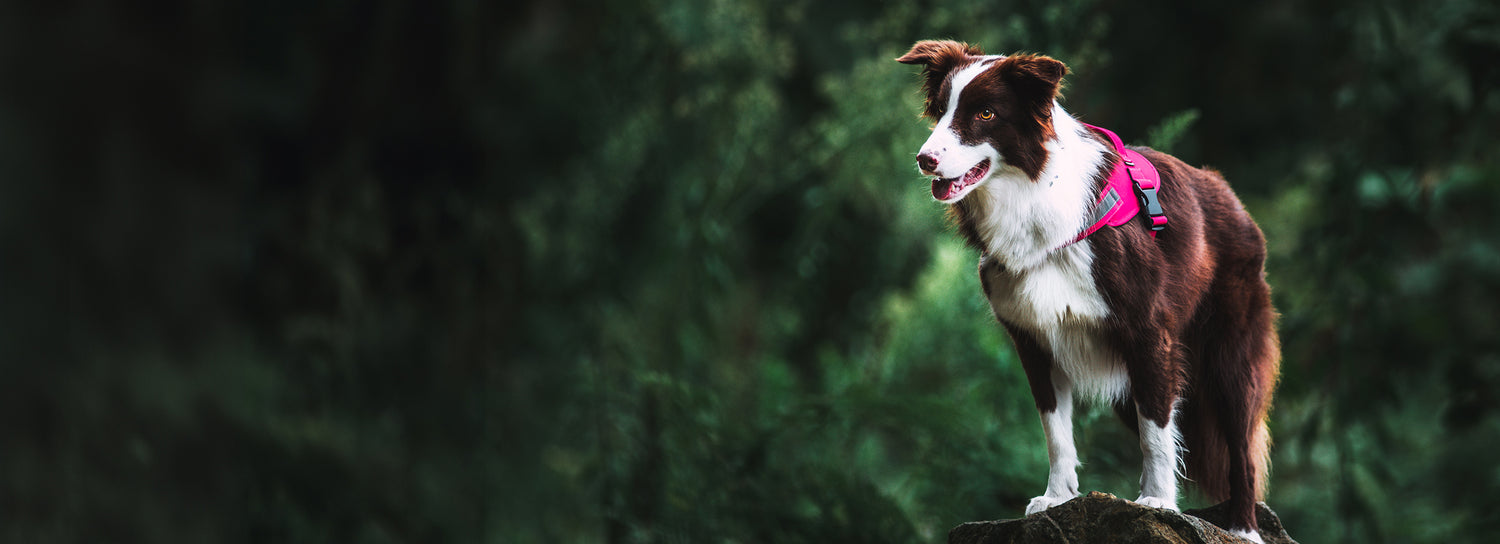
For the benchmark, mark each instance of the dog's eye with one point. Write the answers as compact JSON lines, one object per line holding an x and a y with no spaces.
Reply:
{"x":986,"y":115}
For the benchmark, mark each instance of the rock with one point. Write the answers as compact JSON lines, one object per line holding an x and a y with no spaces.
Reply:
{"x":1101,"y":517}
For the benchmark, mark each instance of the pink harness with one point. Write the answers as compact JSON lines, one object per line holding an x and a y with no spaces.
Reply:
{"x":1132,"y":175}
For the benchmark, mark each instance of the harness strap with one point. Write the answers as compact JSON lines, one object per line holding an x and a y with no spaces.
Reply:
{"x":1133,"y":174}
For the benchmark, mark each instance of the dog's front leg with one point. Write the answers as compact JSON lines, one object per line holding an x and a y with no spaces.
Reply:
{"x":1062,"y":457}
{"x":1159,"y":455}
{"x":1050,"y":388}
{"x":1053,"y":393}
{"x":1154,"y":385}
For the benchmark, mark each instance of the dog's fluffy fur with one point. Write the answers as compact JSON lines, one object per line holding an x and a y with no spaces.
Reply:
{"x":1176,"y":332}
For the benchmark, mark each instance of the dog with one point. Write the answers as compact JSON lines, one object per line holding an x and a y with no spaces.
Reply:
{"x":1174,"y":328}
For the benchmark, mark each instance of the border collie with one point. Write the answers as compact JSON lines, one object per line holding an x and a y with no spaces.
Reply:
{"x":1175,"y":331}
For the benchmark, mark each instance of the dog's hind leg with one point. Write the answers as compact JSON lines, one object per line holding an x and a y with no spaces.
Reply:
{"x":1244,"y":375}
{"x":1244,"y":432}
{"x":1238,"y":355}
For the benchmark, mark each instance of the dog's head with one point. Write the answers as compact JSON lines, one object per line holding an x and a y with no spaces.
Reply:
{"x":992,"y":112}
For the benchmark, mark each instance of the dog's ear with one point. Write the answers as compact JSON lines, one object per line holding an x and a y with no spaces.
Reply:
{"x":940,"y":53}
{"x":1039,"y":76}
{"x":938,"y":58}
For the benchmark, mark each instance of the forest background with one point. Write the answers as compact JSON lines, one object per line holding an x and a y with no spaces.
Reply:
{"x":663,"y":270}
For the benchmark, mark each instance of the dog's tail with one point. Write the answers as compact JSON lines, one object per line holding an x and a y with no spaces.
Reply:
{"x":1232,"y":407}
{"x":1207,"y":462}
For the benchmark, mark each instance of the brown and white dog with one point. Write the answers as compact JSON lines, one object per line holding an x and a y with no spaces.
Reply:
{"x":1176,"y":332}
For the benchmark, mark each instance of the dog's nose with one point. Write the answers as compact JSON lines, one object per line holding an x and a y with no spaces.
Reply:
{"x":927,"y":161}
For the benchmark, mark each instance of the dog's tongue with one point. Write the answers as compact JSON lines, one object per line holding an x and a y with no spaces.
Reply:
{"x":943,"y":189}
{"x":946,"y":189}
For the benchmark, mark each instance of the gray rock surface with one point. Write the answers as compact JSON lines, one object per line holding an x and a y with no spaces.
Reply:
{"x":1101,"y":517}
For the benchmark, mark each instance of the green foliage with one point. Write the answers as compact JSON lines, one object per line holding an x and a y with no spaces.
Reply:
{"x":1165,"y":135}
{"x":663,"y":270}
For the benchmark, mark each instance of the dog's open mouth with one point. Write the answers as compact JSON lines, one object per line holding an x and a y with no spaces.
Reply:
{"x":948,"y":189}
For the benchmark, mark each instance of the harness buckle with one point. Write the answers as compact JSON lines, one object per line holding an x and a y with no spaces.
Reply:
{"x":1148,"y":200}
{"x":1152,"y":207}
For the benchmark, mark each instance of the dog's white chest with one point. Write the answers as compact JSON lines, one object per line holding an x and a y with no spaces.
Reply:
{"x":1059,"y":303}
{"x":1058,"y":291}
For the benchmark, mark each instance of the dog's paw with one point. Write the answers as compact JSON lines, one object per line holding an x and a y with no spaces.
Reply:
{"x":1248,"y":535}
{"x":1158,"y":502}
{"x":1044,"y":502}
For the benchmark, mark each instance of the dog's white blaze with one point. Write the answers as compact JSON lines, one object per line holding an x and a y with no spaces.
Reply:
{"x":955,"y":158}
{"x":961,"y":80}
{"x":1062,"y":455}
{"x":1160,"y":453}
